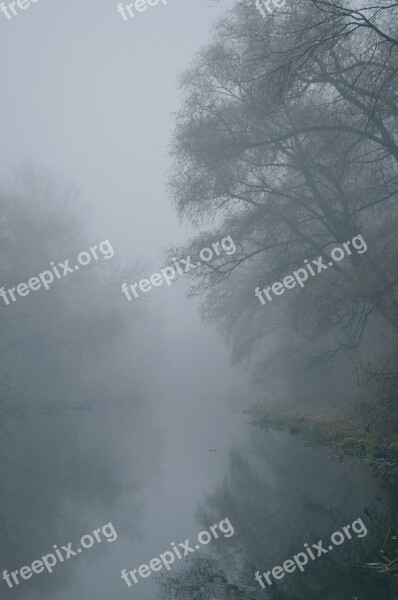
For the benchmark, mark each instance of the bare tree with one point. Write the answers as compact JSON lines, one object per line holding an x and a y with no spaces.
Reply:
{"x":287,"y":141}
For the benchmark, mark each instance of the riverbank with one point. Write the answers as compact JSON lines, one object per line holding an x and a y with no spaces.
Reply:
{"x":339,"y":432}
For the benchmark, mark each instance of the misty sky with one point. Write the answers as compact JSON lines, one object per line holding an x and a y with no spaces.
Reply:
{"x":92,"y":97}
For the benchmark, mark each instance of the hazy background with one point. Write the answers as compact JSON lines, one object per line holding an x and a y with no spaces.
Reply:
{"x":92,"y":97}
{"x":156,"y":442}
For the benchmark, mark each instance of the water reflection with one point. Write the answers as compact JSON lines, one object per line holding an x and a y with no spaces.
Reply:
{"x":278,"y":495}
{"x":202,"y":580}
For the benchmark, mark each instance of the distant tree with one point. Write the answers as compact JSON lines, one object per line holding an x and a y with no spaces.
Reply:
{"x":71,"y":403}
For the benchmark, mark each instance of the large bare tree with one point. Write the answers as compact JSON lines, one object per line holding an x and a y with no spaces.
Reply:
{"x":287,"y":140}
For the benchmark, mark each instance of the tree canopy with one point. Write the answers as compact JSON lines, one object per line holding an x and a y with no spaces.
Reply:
{"x":287,"y":141}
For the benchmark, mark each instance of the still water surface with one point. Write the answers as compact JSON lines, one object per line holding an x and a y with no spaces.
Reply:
{"x":277,"y":493}
{"x":164,"y":475}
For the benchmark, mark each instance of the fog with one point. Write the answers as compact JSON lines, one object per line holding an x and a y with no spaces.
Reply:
{"x":163,"y":414}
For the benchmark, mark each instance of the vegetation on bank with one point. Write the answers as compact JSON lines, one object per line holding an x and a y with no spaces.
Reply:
{"x":340,"y":432}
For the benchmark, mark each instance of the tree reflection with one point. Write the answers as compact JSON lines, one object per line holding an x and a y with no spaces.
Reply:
{"x":275,"y":505}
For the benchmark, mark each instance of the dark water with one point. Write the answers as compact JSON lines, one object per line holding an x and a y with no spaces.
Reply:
{"x":276,"y":493}
{"x":164,"y":474}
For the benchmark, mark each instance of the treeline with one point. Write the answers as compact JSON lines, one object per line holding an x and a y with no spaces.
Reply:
{"x":287,"y":140}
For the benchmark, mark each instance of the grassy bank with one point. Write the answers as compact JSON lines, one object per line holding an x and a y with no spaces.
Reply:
{"x":339,"y":432}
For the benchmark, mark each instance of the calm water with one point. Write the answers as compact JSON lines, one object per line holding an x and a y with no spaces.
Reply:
{"x":277,"y":493}
{"x":165,"y":474}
